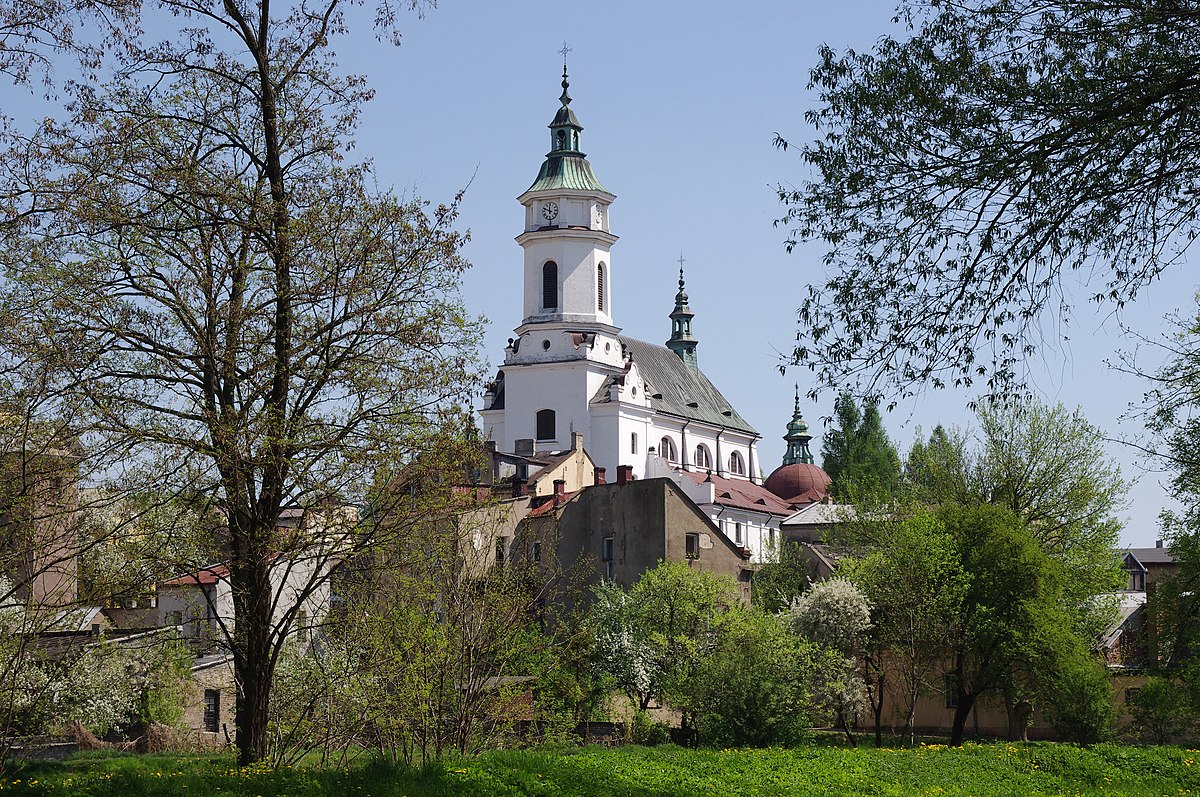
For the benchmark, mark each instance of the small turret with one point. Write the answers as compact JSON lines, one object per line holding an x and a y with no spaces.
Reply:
{"x":797,"y":438}
{"x":682,"y":342}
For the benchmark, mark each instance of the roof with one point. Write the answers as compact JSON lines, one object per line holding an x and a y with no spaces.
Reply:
{"x":204,"y":576}
{"x":821,"y":515}
{"x":675,"y":389}
{"x":1153,"y":556}
{"x":549,"y":506}
{"x":1130,"y":604}
{"x":742,"y":494}
{"x":569,"y":172}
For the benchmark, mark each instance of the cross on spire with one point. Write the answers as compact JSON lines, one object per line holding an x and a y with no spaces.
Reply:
{"x":565,"y":50}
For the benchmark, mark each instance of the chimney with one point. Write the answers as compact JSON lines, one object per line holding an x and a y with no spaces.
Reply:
{"x":520,"y":488}
{"x":560,"y":486}
{"x":1158,"y":543}
{"x":624,"y":474}
{"x":599,"y":476}
{"x":576,"y":441}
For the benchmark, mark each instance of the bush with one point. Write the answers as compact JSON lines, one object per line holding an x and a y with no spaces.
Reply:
{"x":645,"y":731}
{"x":1161,"y":711}
{"x":1081,"y":708}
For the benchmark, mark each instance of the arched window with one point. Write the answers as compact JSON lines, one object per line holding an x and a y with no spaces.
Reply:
{"x":703,"y":457}
{"x":561,"y":137}
{"x":550,"y":286}
{"x":666,"y":449}
{"x":600,"y":288}
{"x":546,"y":425}
{"x":736,"y":464}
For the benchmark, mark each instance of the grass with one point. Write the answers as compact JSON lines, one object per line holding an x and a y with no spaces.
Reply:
{"x":825,"y":771}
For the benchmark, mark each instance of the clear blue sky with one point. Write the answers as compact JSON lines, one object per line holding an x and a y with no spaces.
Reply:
{"x":679,"y":102}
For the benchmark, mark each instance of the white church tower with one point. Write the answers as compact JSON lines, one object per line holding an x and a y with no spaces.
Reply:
{"x":570,"y":370}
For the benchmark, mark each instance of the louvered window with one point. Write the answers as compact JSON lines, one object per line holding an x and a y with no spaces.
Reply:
{"x":600,"y":288}
{"x":550,"y":286}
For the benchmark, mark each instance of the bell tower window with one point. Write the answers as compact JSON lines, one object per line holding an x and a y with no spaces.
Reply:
{"x":550,"y":286}
{"x":600,"y":288}
{"x":561,"y":139}
{"x":546,"y":425}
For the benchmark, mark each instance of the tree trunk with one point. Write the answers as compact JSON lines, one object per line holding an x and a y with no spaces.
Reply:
{"x":966,"y":702}
{"x":879,"y":710}
{"x":250,"y":583}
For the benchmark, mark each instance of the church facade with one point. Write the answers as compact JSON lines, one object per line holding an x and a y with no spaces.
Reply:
{"x":569,"y":368}
{"x":642,"y":408}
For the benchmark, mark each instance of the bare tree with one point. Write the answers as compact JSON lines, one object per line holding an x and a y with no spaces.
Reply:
{"x":233,"y":312}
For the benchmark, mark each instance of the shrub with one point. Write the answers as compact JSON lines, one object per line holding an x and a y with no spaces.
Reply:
{"x":1161,"y":711}
{"x":1081,"y":708}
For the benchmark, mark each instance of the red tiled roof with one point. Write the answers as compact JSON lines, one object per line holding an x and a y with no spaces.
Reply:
{"x":204,"y":576}
{"x":742,"y":494}
{"x":548,"y":507}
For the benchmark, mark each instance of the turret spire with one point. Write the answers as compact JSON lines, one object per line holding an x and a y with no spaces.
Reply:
{"x":797,"y":437}
{"x":565,"y":165}
{"x":682,"y":342}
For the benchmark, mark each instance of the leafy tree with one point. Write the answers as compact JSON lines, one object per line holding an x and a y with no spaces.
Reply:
{"x":780,"y":582}
{"x":1012,"y":589}
{"x":754,"y":688}
{"x":941,"y":469}
{"x":912,"y":575}
{"x":857,"y":454}
{"x":836,"y":616}
{"x":968,"y":165}
{"x":1162,"y":711}
{"x":234,"y":311}
{"x":1080,"y":700}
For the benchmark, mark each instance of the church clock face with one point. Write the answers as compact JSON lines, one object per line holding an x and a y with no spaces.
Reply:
{"x":550,"y":211}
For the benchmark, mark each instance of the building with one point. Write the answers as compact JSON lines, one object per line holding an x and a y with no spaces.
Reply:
{"x":641,"y":406}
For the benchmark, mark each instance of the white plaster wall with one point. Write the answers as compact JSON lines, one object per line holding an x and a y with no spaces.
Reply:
{"x":576,"y":256}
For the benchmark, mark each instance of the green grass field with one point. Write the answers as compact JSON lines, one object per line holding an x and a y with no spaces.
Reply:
{"x":979,"y":770}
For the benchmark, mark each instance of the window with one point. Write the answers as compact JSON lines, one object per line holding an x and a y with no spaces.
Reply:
{"x":692,"y":545}
{"x":606,"y":556}
{"x":212,"y":710}
{"x":546,"y":425}
{"x":633,"y":443}
{"x":666,"y":448}
{"x":550,"y":286}
{"x":1131,"y":694}
{"x":501,"y":549}
{"x":175,"y":618}
{"x":736,"y":464}
{"x":561,"y":138}
{"x":703,"y":458}
{"x":1137,"y":581}
{"x":600,"y":287}
{"x":951,"y":691}
{"x":737,"y":533}
{"x":537,"y":551}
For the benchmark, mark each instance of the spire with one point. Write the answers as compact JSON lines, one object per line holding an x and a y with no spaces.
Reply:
{"x":682,"y":342}
{"x":565,"y":165}
{"x":797,"y":438}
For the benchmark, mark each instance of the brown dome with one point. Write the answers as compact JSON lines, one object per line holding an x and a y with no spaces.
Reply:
{"x":800,"y":483}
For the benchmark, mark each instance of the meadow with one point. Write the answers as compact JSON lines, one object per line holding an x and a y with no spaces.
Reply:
{"x":980,"y":770}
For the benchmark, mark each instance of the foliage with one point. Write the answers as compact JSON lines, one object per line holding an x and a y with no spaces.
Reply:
{"x":993,"y":770}
{"x":234,"y":312}
{"x":754,"y":689}
{"x":1080,"y":700}
{"x":779,"y":582}
{"x":913,"y":578}
{"x":857,"y":454}
{"x":1161,"y":711}
{"x":968,"y":165}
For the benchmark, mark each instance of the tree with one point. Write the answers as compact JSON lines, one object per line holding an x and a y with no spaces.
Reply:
{"x":912,"y":575}
{"x":857,"y":454}
{"x":963,"y":171}
{"x":941,"y":469}
{"x":836,"y":616}
{"x":234,"y":311}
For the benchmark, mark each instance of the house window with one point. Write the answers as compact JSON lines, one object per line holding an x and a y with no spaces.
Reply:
{"x":175,"y":618}
{"x":703,"y":458}
{"x":600,"y":287}
{"x":1131,"y":694}
{"x":633,"y":443}
{"x":771,"y":538}
{"x":550,"y":286}
{"x":736,"y":464}
{"x":501,"y":550}
{"x":606,"y":556}
{"x":1137,"y":581}
{"x":666,"y":448}
{"x":537,"y":551}
{"x":212,"y":710}
{"x":692,"y":545}
{"x":546,"y":425}
{"x":951,"y":691}
{"x":737,"y":533}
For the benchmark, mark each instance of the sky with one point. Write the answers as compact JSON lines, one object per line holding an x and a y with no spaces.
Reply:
{"x":680,"y":103}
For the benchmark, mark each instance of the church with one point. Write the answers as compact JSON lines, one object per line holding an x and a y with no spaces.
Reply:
{"x":643,"y":409}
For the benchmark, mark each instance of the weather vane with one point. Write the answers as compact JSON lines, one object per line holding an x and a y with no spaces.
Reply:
{"x":564,"y":52}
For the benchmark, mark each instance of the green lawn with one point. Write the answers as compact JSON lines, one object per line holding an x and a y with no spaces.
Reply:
{"x":820,"y":771}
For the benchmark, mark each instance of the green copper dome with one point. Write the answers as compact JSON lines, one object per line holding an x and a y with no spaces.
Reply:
{"x":565,"y":166}
{"x":797,"y":438}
